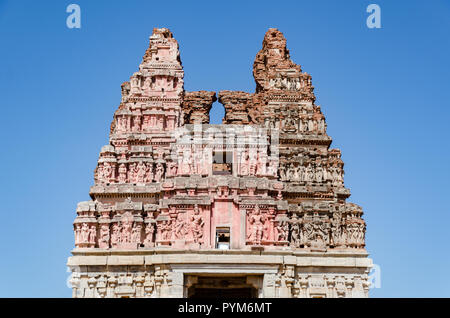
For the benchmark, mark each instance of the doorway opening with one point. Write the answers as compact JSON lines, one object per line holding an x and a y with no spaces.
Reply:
{"x":222,"y":287}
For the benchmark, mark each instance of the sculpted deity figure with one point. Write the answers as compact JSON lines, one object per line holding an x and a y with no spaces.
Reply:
{"x":324,"y":173}
{"x":136,"y":123}
{"x":121,"y":124}
{"x":165,"y":229}
{"x":334,"y":175}
{"x":272,"y":168}
{"x":146,"y":123}
{"x":149,"y":230}
{"x":346,"y":233}
{"x":300,"y":125}
{"x":321,"y":125}
{"x":305,"y":125}
{"x":127,"y":225}
{"x":296,"y":173}
{"x":295,"y":232}
{"x":329,"y":173}
{"x":186,"y":162}
{"x":100,"y":174}
{"x":146,"y":86}
{"x":256,"y":222}
{"x":172,"y":168}
{"x":107,"y":172}
{"x":104,"y":236}
{"x":140,"y":172}
{"x":132,"y":176}
{"x":159,"y":172}
{"x":148,"y":173}
{"x":136,"y":233}
{"x":361,"y":234}
{"x":282,"y":172}
{"x":77,"y":234}
{"x":180,"y":227}
{"x":115,"y":235}
{"x":252,"y":162}
{"x":122,"y":173}
{"x":197,"y":225}
{"x":161,"y":122}
{"x":318,"y":231}
{"x":309,"y":173}
{"x":310,"y":125}
{"x":92,"y":234}
{"x":319,"y":174}
{"x":198,"y":162}
{"x":243,"y":163}
{"x":134,"y":85}
{"x":284,"y":82}
{"x":282,"y":231}
{"x":266,"y":228}
{"x":355,"y":234}
{"x":336,"y":230}
{"x":290,"y":172}
{"x":302,"y":173}
{"x":85,"y":233}
{"x":152,"y":121}
{"x":289,"y":124}
{"x":307,"y":232}
{"x":260,"y":164}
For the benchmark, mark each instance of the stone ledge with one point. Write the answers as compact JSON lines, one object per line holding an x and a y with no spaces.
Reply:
{"x":199,"y":259}
{"x":87,"y":260}
{"x":125,"y":260}
{"x":361,"y":254}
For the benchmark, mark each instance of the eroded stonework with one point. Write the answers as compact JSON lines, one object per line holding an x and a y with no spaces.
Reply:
{"x":180,"y":205}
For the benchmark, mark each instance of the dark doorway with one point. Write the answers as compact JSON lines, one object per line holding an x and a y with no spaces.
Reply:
{"x":223,"y":293}
{"x":222,"y":287}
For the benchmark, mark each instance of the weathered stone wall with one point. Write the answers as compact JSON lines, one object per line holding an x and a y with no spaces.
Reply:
{"x":161,"y":274}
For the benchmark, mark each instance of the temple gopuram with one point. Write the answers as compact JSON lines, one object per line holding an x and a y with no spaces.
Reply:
{"x":254,"y":207}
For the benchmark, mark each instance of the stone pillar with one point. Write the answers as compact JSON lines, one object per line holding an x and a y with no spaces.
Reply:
{"x":269,"y":285}
{"x":177,"y":284}
{"x":257,"y":283}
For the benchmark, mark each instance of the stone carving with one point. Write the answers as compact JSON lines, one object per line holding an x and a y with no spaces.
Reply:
{"x":256,"y":226}
{"x":149,"y":233}
{"x":104,"y":236}
{"x":196,"y":225}
{"x":159,"y":172}
{"x":281,"y":186}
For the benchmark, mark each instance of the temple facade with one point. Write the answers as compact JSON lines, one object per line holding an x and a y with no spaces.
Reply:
{"x":255,"y":207}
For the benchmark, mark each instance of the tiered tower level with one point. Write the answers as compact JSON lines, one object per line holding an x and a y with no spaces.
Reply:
{"x":253,"y":207}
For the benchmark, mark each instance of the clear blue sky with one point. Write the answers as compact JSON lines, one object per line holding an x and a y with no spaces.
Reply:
{"x":385,"y":93}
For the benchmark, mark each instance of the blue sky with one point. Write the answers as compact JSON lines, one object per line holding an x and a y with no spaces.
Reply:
{"x":385,"y":93}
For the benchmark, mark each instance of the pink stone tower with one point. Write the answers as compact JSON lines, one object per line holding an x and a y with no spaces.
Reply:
{"x":255,"y":207}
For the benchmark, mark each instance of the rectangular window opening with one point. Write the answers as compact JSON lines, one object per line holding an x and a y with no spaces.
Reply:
{"x":223,"y":238}
{"x":222,"y":163}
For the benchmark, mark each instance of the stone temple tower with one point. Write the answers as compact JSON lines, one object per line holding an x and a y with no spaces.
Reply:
{"x":255,"y":207}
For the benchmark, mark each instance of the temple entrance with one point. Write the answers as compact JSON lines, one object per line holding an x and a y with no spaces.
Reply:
{"x":222,"y":287}
{"x":223,"y":293}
